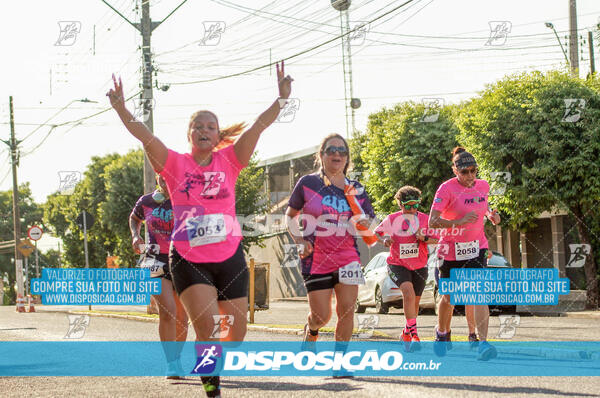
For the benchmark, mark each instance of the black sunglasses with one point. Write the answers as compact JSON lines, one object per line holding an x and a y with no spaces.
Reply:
{"x":468,"y":171}
{"x":330,"y":150}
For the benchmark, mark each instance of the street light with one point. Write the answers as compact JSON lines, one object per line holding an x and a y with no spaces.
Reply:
{"x":551,"y":26}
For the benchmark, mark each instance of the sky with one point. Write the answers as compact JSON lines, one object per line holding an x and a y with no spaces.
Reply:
{"x":424,"y":49}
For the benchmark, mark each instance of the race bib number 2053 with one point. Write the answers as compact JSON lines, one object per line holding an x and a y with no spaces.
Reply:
{"x":209,"y":228}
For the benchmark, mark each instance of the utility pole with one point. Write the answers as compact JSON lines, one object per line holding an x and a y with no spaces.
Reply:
{"x":14,"y":154}
{"x":146,"y":27}
{"x":147,"y":94}
{"x":591,"y":48}
{"x":573,"y":51}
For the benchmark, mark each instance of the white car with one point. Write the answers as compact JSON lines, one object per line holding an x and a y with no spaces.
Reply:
{"x":381,"y":292}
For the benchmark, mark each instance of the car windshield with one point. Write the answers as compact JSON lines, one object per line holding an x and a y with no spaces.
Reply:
{"x":498,"y":260}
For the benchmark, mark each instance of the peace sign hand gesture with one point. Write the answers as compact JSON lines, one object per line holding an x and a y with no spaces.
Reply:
{"x":116,"y":95}
{"x":284,"y":82}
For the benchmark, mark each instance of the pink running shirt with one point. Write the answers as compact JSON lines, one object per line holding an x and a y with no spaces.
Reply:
{"x":454,"y":201}
{"x":406,"y":250}
{"x":206,"y":229}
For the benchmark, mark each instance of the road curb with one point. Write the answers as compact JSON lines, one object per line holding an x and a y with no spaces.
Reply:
{"x":582,"y":315}
{"x":131,"y":317}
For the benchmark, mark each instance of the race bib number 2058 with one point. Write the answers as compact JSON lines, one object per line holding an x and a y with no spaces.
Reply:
{"x":209,"y":228}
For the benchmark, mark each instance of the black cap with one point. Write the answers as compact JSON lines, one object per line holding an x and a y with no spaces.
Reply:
{"x":464,"y":160}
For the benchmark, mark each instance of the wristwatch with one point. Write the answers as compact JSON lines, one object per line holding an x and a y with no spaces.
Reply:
{"x":426,"y":238}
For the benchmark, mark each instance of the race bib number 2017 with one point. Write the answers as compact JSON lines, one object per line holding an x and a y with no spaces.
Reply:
{"x":351,"y":274}
{"x":209,"y":228}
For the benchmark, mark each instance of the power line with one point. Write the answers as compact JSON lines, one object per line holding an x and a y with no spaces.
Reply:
{"x":292,"y":56}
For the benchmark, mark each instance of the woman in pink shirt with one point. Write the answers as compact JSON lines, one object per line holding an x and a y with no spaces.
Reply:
{"x":461,"y":206}
{"x":206,"y":261}
{"x":406,"y":234}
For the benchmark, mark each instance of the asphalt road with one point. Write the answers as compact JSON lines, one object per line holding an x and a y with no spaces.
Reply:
{"x":52,"y":326}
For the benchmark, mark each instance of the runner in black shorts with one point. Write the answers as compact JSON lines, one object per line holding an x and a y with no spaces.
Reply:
{"x":330,"y":257}
{"x":406,"y":234}
{"x":155,"y":210}
{"x":460,"y":207}
{"x":206,"y":234}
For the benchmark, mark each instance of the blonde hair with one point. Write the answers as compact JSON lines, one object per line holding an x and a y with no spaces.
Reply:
{"x":227,"y":135}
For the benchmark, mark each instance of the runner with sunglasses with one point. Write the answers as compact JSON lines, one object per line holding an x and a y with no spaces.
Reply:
{"x":462,"y":203}
{"x":206,"y":260}
{"x":406,"y":234}
{"x":331,"y":207}
{"x":155,"y":210}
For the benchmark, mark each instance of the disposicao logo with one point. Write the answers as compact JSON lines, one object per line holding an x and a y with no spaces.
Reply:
{"x":207,"y":358}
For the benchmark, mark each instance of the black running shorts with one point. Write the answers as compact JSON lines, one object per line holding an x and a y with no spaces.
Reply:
{"x":399,"y":274}
{"x":477,"y":262}
{"x":229,"y":277}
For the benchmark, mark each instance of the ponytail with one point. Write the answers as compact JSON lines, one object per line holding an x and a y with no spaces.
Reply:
{"x":227,"y":136}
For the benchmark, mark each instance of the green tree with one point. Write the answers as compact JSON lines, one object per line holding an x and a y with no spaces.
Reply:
{"x":61,"y":211}
{"x":520,"y":125}
{"x":124,"y":185}
{"x":250,"y":198}
{"x":399,"y":148}
{"x":31,"y":213}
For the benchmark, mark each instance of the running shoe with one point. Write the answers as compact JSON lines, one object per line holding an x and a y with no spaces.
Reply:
{"x":486,"y":351}
{"x":174,"y":370}
{"x":211,"y":386}
{"x":473,"y":341}
{"x":309,"y":341}
{"x":415,"y":343}
{"x":407,"y":340}
{"x":449,"y":340}
{"x":439,"y":345}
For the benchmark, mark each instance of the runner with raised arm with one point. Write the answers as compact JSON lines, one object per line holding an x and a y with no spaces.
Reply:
{"x":206,"y":261}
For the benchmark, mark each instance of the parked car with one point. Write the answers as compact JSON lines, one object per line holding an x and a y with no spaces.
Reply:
{"x":381,"y":292}
{"x":496,"y":261}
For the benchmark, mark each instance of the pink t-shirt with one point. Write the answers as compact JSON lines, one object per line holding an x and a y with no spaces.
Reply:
{"x":406,"y":250}
{"x":203,"y":198}
{"x":454,"y":200}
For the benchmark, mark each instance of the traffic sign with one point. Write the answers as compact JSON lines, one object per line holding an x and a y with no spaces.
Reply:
{"x":35,"y":233}
{"x":89,"y":220}
{"x":25,"y":247}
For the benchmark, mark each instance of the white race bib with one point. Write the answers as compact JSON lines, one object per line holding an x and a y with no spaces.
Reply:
{"x":408,"y":250}
{"x":209,"y":228}
{"x":155,"y":266}
{"x":466,"y":250}
{"x":351,"y":274}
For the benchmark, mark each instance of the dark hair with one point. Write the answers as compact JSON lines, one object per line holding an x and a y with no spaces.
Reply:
{"x":456,"y":151}
{"x":318,"y":162}
{"x":226,"y":136}
{"x":407,"y":193}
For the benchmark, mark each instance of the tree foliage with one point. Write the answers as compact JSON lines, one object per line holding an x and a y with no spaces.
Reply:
{"x":399,"y":148}
{"x":522,"y":125}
